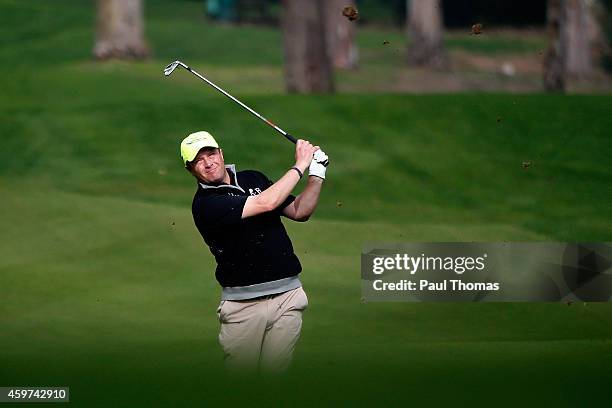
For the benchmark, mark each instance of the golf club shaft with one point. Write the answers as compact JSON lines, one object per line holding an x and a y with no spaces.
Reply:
{"x":279,"y":130}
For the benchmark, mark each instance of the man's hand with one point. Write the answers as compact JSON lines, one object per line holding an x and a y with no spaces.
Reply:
{"x":304,"y":151}
{"x":319,"y":164}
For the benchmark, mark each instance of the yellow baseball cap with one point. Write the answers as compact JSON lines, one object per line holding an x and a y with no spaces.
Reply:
{"x":191,"y":145}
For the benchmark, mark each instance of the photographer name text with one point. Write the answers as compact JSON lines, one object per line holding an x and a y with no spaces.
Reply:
{"x":425,"y":285}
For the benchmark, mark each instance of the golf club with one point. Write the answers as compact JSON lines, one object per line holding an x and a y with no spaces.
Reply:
{"x":172,"y":66}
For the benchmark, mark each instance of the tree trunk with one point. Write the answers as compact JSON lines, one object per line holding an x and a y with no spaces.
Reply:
{"x":307,"y":65}
{"x":425,"y":30}
{"x":576,"y":32}
{"x":554,"y":61}
{"x":120,"y":30}
{"x":341,"y":45}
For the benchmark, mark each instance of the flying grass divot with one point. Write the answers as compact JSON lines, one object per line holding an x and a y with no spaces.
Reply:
{"x":351,"y":13}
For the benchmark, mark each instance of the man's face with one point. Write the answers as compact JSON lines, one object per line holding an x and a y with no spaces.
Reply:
{"x":209,"y":166}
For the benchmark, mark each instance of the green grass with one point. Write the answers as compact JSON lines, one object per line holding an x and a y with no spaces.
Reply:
{"x":495,"y":43}
{"x":108,"y":292}
{"x":106,"y":286}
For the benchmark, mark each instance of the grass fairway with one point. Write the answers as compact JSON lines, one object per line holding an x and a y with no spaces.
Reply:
{"x":106,"y":286}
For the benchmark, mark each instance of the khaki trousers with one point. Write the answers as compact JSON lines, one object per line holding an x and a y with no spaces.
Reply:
{"x":261,"y":333}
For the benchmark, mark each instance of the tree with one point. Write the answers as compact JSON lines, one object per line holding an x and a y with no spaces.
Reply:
{"x":425,"y":30}
{"x":572,"y":30}
{"x":554,"y":61}
{"x":606,"y":35}
{"x":120,"y":30}
{"x":341,"y":45}
{"x":307,"y":64}
{"x":578,"y":58}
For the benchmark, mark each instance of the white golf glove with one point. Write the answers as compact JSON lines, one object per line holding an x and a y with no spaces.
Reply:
{"x":318,"y":165}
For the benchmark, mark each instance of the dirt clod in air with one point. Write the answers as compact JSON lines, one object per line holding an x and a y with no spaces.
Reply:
{"x":386,"y":42}
{"x":350,"y":12}
{"x":498,"y":119}
{"x":339,"y":204}
{"x":173,"y":223}
{"x":525,"y":165}
{"x":477,"y":29}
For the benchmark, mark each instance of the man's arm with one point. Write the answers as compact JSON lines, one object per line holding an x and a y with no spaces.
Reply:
{"x":276,"y":194}
{"x":304,"y":204}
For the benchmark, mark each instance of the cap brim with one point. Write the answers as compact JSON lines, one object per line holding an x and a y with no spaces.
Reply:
{"x":195,"y":148}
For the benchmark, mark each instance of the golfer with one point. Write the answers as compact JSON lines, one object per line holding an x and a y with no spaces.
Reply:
{"x":238,"y":215}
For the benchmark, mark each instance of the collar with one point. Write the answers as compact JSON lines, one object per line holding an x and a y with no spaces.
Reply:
{"x":231,"y":169}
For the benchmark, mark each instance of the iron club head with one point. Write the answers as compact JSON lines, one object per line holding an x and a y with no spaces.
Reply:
{"x":171,"y":67}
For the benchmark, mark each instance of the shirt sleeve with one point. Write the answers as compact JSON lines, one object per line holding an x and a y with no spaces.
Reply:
{"x":218,"y":209}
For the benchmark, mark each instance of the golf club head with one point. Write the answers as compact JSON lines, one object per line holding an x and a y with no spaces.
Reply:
{"x":171,"y":67}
